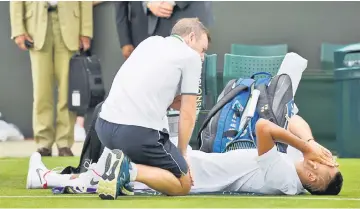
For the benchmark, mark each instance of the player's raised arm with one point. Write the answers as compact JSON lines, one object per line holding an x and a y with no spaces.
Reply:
{"x":267,"y":132}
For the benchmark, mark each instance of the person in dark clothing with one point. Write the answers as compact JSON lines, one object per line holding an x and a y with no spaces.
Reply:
{"x":136,"y":20}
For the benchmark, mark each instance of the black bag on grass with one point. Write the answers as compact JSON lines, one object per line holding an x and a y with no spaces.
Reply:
{"x":92,"y":148}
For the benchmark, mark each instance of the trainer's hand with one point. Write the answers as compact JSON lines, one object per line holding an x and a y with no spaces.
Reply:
{"x":20,"y":41}
{"x":320,"y":154}
{"x":161,"y":8}
{"x":187,"y":162}
{"x":127,"y":50}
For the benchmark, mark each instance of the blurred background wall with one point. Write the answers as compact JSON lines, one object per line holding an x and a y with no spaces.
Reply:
{"x":302,"y":25}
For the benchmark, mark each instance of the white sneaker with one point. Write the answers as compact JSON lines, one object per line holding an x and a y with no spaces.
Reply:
{"x":88,"y":179}
{"x":36,"y":172}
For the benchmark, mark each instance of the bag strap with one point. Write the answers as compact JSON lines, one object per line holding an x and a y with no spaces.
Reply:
{"x":222,"y":102}
{"x":260,"y":73}
{"x":264,"y":106}
{"x":90,"y":133}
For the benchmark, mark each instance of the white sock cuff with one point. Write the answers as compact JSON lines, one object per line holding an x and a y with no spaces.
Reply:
{"x":100,"y":165}
{"x":133,"y":171}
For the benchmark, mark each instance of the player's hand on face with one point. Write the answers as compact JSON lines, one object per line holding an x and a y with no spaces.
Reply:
{"x":320,"y":154}
{"x":161,"y":8}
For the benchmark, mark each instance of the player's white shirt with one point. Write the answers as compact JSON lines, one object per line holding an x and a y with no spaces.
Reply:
{"x":243,"y":170}
{"x":272,"y":173}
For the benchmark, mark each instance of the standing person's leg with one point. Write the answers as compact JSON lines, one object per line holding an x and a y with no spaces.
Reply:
{"x":65,"y":120}
{"x":156,"y":161}
{"x":42,"y":69}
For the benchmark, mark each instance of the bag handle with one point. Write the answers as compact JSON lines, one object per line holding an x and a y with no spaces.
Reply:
{"x":260,"y":73}
{"x":86,"y":53}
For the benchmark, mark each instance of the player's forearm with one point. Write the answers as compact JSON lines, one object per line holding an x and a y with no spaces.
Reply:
{"x":186,"y":126}
{"x":285,"y":136}
{"x":299,"y":127}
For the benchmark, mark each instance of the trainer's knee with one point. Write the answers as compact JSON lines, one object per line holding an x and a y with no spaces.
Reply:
{"x":183,"y":189}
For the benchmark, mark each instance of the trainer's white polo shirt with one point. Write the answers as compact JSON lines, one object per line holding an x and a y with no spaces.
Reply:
{"x":147,"y":83}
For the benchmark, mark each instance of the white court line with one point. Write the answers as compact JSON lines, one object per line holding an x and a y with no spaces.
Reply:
{"x":190,"y":208}
{"x":196,"y":196}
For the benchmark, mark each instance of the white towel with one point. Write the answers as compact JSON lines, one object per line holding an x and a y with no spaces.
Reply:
{"x":293,"y":65}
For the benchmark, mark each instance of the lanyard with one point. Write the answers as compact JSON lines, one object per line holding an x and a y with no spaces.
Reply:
{"x":178,"y":37}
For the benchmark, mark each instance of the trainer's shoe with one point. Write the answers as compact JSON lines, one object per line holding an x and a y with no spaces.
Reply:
{"x":128,"y":188}
{"x":36,"y":173}
{"x":115,"y":177}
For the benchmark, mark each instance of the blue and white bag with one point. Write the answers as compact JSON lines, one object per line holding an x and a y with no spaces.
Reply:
{"x":230,"y":124}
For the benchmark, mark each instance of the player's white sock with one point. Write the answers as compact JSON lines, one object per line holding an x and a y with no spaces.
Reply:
{"x":54,"y":179}
{"x":133,"y":171}
{"x":100,"y":165}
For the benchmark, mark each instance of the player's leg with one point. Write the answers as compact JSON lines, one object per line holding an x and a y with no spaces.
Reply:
{"x":41,"y":177}
{"x":217,"y":172}
{"x":156,"y":161}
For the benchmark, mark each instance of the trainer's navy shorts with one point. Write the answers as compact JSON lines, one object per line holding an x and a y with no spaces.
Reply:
{"x":142,"y":145}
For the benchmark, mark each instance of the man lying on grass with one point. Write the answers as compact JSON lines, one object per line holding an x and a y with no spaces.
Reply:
{"x":307,"y":167}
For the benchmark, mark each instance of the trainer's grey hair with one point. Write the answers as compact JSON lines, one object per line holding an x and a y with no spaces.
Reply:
{"x":185,"y":26}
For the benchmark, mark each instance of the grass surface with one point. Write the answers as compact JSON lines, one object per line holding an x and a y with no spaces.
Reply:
{"x":13,"y":194}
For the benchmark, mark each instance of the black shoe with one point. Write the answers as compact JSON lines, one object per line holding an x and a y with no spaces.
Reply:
{"x":44,"y":152}
{"x":65,"y":152}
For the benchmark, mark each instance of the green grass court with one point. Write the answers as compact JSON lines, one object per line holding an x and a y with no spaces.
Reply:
{"x":13,"y":194}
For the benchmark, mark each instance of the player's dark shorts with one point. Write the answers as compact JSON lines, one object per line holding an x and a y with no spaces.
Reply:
{"x":142,"y":145}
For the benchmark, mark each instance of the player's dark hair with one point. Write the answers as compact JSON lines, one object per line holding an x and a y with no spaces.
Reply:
{"x":333,"y":188}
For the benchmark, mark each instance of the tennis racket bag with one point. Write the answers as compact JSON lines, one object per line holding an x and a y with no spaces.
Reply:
{"x":230,"y":124}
